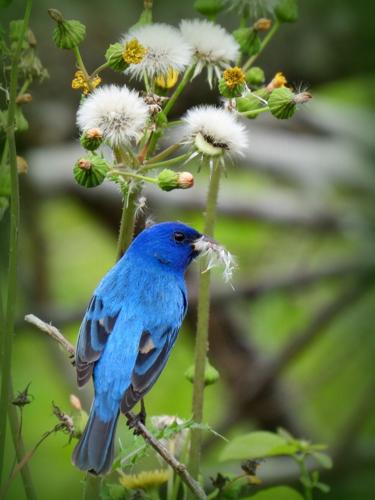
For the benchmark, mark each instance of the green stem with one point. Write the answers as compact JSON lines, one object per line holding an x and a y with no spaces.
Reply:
{"x":153,"y":180}
{"x":92,"y":487}
{"x":7,"y":338}
{"x":201,"y":343}
{"x":99,"y":69}
{"x":263,"y":45}
{"x":127,"y":222}
{"x":180,"y":87}
{"x":165,"y":163}
{"x":164,"y":154}
{"x":81,"y":64}
{"x":305,"y":476}
{"x":255,"y":112}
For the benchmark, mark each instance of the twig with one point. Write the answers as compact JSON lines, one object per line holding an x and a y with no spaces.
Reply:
{"x":180,"y":468}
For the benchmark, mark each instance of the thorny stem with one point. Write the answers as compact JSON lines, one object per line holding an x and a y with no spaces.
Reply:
{"x":165,"y":163}
{"x":263,"y":45}
{"x":7,"y":337}
{"x":201,"y":343}
{"x":180,"y":87}
{"x":179,"y":468}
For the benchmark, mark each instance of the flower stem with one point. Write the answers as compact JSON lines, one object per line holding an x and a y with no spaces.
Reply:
{"x":7,"y":337}
{"x":201,"y":343}
{"x":92,"y":487}
{"x":99,"y":69}
{"x":263,"y":45}
{"x":165,"y":163}
{"x":153,"y":180}
{"x":81,"y":65}
{"x":255,"y":112}
{"x":164,"y":154}
{"x":127,"y":222}
{"x":185,"y":80}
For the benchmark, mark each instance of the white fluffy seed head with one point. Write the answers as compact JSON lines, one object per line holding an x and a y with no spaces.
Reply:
{"x":213,"y":46}
{"x":218,"y":128}
{"x":118,"y":112}
{"x":217,"y":255}
{"x":166,"y":49}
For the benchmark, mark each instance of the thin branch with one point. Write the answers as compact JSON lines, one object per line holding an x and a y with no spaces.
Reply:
{"x":180,"y":468}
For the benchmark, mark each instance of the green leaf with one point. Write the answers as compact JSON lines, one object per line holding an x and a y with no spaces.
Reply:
{"x":277,"y":493}
{"x":323,"y":459}
{"x":257,"y":445}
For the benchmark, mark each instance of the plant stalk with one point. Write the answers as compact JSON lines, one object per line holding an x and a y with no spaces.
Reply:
{"x":180,"y":87}
{"x":255,"y":112}
{"x":92,"y":487}
{"x":165,"y":163}
{"x":263,"y":45}
{"x":7,"y":337}
{"x":201,"y":343}
{"x":127,"y":222}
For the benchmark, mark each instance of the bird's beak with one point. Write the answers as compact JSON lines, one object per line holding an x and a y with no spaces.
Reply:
{"x":203,"y":244}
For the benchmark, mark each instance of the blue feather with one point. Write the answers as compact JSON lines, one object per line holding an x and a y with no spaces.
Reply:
{"x":128,"y":331}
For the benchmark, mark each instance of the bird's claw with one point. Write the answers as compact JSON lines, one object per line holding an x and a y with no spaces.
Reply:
{"x":133,"y":420}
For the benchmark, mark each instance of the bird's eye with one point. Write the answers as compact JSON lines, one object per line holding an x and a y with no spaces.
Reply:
{"x":178,"y":236}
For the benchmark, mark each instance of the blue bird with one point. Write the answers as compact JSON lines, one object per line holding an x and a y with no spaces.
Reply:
{"x":128,"y":331}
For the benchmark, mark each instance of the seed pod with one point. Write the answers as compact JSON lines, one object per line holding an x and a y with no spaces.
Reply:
{"x":67,"y":34}
{"x":91,"y":139}
{"x":248,"y":40}
{"x":90,"y":172}
{"x":281,"y":103}
{"x":286,"y":11}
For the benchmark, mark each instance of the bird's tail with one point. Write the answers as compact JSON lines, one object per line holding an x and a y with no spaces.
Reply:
{"x":94,"y":451}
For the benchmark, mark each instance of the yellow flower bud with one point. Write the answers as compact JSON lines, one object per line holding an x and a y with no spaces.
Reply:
{"x":167,"y":81}
{"x":263,"y":24}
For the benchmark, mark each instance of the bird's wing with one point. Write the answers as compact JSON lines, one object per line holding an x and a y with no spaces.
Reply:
{"x":153,"y":353}
{"x":93,"y":334}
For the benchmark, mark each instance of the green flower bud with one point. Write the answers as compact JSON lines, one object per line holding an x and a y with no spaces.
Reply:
{"x":230,"y":92}
{"x":255,"y":76}
{"x":21,"y":123}
{"x":90,"y":172}
{"x":248,"y":40}
{"x":211,"y":375}
{"x":115,"y":57}
{"x":168,"y":180}
{"x":209,"y":8}
{"x":67,"y":34}
{"x":249,"y":102}
{"x":287,"y":11}
{"x":91,"y":139}
{"x":281,"y":103}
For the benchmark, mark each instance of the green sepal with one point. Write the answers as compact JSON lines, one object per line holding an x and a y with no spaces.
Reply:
{"x":93,"y":175}
{"x":229,"y":93}
{"x":168,"y":180}
{"x":209,"y":8}
{"x":286,"y":11}
{"x":248,"y":40}
{"x":69,"y":34}
{"x":144,"y":19}
{"x":255,"y":76}
{"x":114,"y":57}
{"x":281,"y":103}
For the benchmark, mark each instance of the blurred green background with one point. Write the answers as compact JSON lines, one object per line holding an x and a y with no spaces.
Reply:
{"x":298,"y":213}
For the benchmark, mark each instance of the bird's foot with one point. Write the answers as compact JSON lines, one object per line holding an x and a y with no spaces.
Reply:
{"x":134,"y":419}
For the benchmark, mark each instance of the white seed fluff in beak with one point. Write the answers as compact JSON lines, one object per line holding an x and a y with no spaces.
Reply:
{"x":216,"y":255}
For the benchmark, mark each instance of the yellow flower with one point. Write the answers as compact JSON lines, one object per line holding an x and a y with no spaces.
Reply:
{"x":145,"y":479}
{"x":234,"y":76}
{"x":167,"y":81}
{"x":277,"y":81}
{"x":134,"y":52}
{"x":80,"y":82}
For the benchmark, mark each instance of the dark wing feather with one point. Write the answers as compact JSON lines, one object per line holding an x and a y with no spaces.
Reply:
{"x":154,"y":360}
{"x":93,"y":334}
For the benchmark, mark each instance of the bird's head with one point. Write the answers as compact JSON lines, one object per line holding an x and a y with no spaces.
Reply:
{"x":170,"y":243}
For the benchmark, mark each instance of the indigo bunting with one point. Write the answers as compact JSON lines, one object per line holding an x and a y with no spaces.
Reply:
{"x":128,"y":331}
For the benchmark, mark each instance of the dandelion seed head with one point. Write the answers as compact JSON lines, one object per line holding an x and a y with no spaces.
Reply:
{"x":214,"y":131}
{"x":213,"y":46}
{"x":166,"y":51}
{"x":120,"y":114}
